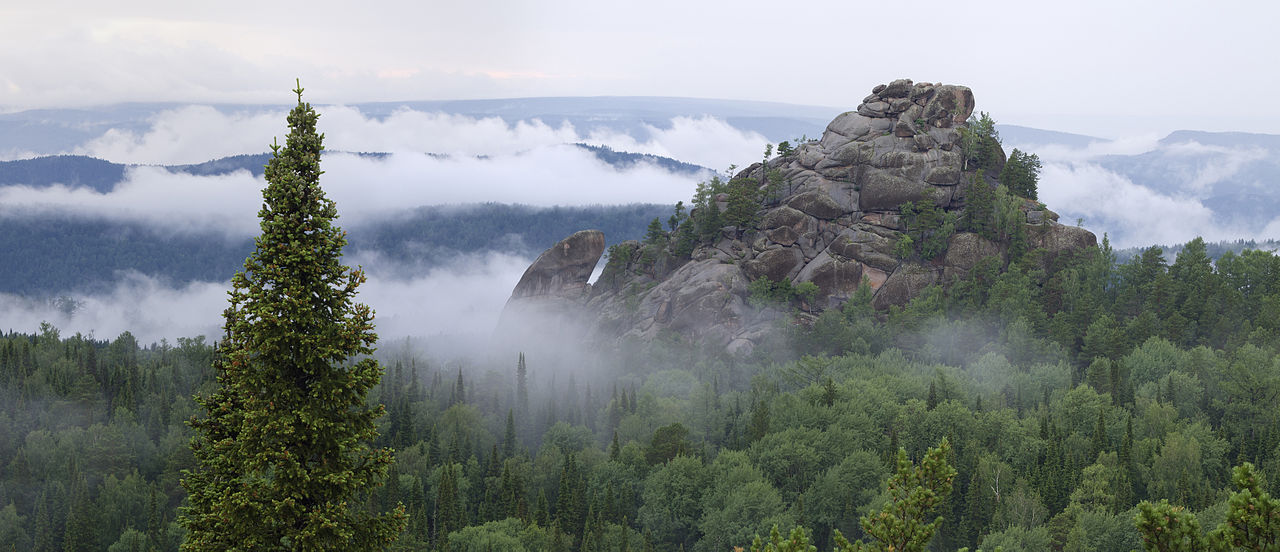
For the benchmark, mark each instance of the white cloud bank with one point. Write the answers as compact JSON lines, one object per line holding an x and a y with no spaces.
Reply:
{"x":487,"y":160}
{"x":1074,"y":183}
{"x":1133,"y":215}
{"x":365,"y":189}
{"x":194,"y":134}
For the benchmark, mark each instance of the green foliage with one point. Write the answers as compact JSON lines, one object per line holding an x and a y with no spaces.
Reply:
{"x":509,"y":534}
{"x":672,"y":502}
{"x":655,"y":235}
{"x":928,"y":229}
{"x":743,"y":205}
{"x":980,"y":143}
{"x":668,"y":442}
{"x":763,"y":292}
{"x":979,"y":207}
{"x":914,"y":492}
{"x":1253,"y":517}
{"x":1168,"y":528}
{"x":1021,"y":174}
{"x":286,"y":444}
{"x":796,"y":542}
{"x":1252,"y":521}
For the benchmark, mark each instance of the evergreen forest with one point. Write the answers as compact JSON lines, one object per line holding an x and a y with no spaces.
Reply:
{"x":1069,"y":390}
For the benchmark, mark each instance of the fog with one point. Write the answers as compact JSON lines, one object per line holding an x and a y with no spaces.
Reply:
{"x":485,"y":160}
{"x":1077,"y":184}
{"x":194,"y":134}
{"x":1132,"y":215}
{"x":461,"y":300}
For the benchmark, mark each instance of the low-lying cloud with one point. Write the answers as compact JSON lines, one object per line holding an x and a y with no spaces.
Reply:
{"x":194,"y":134}
{"x":1142,"y":191}
{"x":463,"y":299}
{"x":366,"y":189}
{"x":1132,"y":215}
{"x":435,"y":159}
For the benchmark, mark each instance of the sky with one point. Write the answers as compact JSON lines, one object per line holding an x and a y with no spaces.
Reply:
{"x":1102,"y":68}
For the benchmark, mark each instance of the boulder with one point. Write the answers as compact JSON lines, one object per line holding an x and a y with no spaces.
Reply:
{"x":849,"y":126}
{"x":900,"y":88}
{"x":883,"y":191}
{"x":1057,"y":238}
{"x":817,"y":204}
{"x":965,"y":249}
{"x":774,"y":264}
{"x":546,"y":306}
{"x":563,"y":270}
{"x":868,"y":247}
{"x":874,"y":109}
{"x":836,"y":279}
{"x":903,"y":285}
{"x":784,"y":216}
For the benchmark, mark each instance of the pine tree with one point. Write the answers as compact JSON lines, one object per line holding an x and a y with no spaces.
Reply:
{"x":522,"y":386}
{"x":286,"y":447}
{"x":45,"y":540}
{"x":449,"y":512}
{"x":509,"y":438}
{"x":615,"y":451}
{"x":79,"y":530}
{"x":914,"y":491}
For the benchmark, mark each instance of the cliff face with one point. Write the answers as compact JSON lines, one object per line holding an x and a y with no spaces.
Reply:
{"x":831,"y":213}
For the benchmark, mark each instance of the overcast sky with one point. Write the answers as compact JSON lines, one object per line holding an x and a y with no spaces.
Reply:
{"x":1104,"y":68}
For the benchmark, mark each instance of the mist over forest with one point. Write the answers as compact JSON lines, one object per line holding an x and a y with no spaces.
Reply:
{"x":1071,"y":391}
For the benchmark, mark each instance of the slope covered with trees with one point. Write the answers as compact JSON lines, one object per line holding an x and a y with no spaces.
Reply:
{"x":1066,"y":403}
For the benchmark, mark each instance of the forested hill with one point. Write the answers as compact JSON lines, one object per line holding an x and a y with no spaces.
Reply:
{"x":1066,"y":402}
{"x":56,"y":254}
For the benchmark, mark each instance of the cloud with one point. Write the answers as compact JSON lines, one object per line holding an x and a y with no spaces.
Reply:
{"x":705,"y":141}
{"x":463,"y":298}
{"x":226,"y":204}
{"x":366,"y":189}
{"x":193,"y":134}
{"x":487,"y":160}
{"x":144,"y":306}
{"x":552,"y":175}
{"x":1133,"y":215}
{"x":1129,"y":145}
{"x":1220,"y":162}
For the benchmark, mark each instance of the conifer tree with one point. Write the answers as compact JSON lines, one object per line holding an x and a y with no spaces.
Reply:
{"x":79,"y":530}
{"x":914,"y":491}
{"x":509,"y":437}
{"x":522,"y":386}
{"x":285,"y":450}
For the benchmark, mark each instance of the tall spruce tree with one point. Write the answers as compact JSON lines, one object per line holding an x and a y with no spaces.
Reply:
{"x":285,"y":452}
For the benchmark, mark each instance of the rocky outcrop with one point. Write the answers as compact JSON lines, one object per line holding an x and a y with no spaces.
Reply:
{"x":549,"y":297}
{"x":562,"y":271}
{"x":837,"y":223}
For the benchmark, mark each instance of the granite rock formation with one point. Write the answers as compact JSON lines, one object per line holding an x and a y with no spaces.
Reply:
{"x":836,"y":223}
